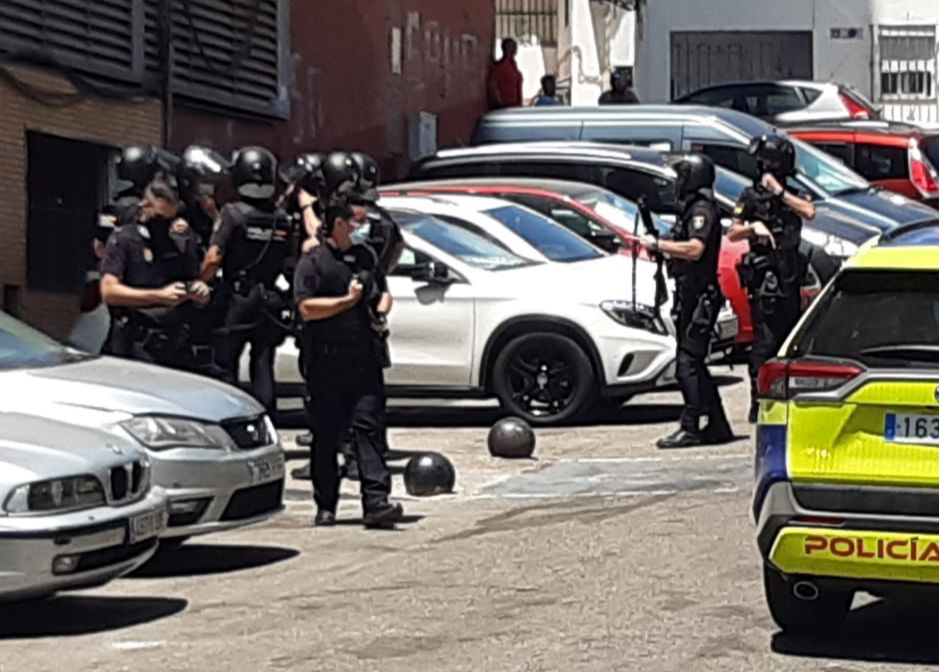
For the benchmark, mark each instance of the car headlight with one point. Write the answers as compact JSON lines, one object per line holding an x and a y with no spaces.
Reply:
{"x":56,"y":495}
{"x":637,"y":316}
{"x":833,"y":245}
{"x":159,"y":433}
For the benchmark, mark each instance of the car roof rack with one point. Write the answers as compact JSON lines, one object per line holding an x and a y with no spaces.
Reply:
{"x":904,"y":229}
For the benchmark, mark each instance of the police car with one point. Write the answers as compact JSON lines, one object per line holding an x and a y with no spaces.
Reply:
{"x":847,"y":451}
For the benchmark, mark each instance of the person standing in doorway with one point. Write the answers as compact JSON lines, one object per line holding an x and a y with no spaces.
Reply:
{"x":505,"y":79}
{"x":549,"y":92}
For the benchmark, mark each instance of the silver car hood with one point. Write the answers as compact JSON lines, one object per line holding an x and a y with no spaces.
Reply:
{"x":118,"y":385}
{"x":34,"y":448}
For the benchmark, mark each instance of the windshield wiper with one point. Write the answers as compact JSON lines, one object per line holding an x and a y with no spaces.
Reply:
{"x":915,"y":351}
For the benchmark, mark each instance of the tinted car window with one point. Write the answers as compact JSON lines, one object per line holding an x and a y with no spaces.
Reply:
{"x":659,"y":192}
{"x":552,"y":240}
{"x":905,"y":333}
{"x":877,"y":162}
{"x":839,"y":150}
{"x":565,"y":215}
{"x":469,"y":248}
{"x":468,"y":169}
{"x":580,"y":172}
{"x":721,"y":97}
{"x":811,"y":95}
{"x":768,"y":101}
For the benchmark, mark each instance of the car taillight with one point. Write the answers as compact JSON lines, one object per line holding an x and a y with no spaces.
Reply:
{"x":783,"y":380}
{"x":855,"y":109}
{"x":922,"y":173}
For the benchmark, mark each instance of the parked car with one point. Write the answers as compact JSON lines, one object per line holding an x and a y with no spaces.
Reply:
{"x":902,"y":158}
{"x":724,"y":135}
{"x":596,"y":214}
{"x":474,"y":320}
{"x":631,"y":172}
{"x":846,"y":475}
{"x":787,"y":100}
{"x":76,"y":507}
{"x":211,"y":446}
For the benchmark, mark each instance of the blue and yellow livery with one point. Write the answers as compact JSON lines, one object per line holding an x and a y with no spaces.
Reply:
{"x":847,"y":448}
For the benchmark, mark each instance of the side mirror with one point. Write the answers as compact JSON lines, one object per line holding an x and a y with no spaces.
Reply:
{"x":606,"y":240}
{"x":432,"y":272}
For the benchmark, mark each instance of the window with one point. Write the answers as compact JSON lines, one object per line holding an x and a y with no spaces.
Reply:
{"x":904,"y":334}
{"x":906,"y":84}
{"x":23,"y":347}
{"x":580,"y":172}
{"x":839,"y":150}
{"x":720,"y":97}
{"x":907,"y":61}
{"x":734,"y":159}
{"x":825,"y":173}
{"x":811,"y":95}
{"x":930,"y":147}
{"x":659,"y":192}
{"x":877,"y":162}
{"x":468,"y":169}
{"x":471,"y":249}
{"x":551,"y":239}
{"x":768,"y":101}
{"x":410,"y":259}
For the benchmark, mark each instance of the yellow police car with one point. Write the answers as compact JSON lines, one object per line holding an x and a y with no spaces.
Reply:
{"x":847,"y":463}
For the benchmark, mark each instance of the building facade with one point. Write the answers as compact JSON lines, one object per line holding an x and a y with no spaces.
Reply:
{"x":886,"y":49}
{"x":79,"y":79}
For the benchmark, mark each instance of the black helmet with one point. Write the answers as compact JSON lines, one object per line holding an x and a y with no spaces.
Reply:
{"x":695,"y":174}
{"x":341,"y":174}
{"x":199,"y":172}
{"x":254,"y":172}
{"x":306,"y":172}
{"x":774,"y":154}
{"x":429,"y":474}
{"x":139,"y":165}
{"x":368,"y":176}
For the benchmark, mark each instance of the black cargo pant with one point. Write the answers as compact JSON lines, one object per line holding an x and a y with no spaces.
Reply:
{"x":773,"y":320}
{"x":347,"y":391}
{"x":695,"y":323}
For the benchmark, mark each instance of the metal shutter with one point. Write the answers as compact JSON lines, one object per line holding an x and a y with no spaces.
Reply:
{"x":99,"y":37}
{"x":208,"y":75}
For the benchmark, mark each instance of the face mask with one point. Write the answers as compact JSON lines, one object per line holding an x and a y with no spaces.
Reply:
{"x":359,"y":235}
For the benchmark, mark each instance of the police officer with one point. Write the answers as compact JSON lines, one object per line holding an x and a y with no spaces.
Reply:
{"x":770,"y":218}
{"x":251,"y":245}
{"x":150,"y":282}
{"x":693,"y":255}
{"x":137,"y":167}
{"x":344,"y":366}
{"x":382,"y":233}
{"x":198,"y":175}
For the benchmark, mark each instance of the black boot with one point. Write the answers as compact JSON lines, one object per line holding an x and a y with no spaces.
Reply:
{"x":718,"y":433}
{"x":324,"y":518}
{"x":383,"y":517}
{"x":680,"y":439}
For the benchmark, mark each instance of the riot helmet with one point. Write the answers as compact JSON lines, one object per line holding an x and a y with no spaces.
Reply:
{"x":306,"y":172}
{"x":199,"y":173}
{"x":139,"y":165}
{"x":254,"y":173}
{"x":342,"y":176}
{"x":367,"y":187}
{"x":695,"y":175}
{"x":775,"y":155}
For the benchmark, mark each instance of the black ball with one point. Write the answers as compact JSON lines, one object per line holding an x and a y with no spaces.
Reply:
{"x":511,"y":438}
{"x":429,"y":474}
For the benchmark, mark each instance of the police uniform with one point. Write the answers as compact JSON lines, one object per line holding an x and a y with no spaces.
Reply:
{"x":772,"y":277}
{"x":254,"y":241}
{"x":344,"y":374}
{"x":151,"y":257}
{"x":697,"y":303}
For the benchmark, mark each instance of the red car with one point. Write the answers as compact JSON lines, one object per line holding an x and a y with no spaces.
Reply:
{"x":898,"y":157}
{"x":595,"y":214}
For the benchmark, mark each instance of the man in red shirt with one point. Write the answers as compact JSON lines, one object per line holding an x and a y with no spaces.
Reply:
{"x":505,"y":79}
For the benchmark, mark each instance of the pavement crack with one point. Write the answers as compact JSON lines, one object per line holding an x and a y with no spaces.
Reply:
{"x":518,"y":519}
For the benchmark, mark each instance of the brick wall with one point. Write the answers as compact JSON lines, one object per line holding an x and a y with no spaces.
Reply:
{"x":106,"y":122}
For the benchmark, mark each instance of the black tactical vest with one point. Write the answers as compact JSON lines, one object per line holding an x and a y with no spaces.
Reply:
{"x":259,"y":248}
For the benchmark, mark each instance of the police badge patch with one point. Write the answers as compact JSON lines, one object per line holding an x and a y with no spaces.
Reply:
{"x":698,"y":222}
{"x":148,"y":255}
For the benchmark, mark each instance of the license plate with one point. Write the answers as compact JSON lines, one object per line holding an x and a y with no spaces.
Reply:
{"x":146,"y":526}
{"x":912,"y":428}
{"x":266,"y":470}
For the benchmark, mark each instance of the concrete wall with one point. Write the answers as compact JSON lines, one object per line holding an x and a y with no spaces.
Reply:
{"x":113,"y":123}
{"x":345,"y":93}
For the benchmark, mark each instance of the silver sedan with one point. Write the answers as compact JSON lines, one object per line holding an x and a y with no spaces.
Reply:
{"x":211,"y":446}
{"x":76,"y":507}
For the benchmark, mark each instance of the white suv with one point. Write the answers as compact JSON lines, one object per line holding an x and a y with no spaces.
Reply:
{"x":472,"y":319}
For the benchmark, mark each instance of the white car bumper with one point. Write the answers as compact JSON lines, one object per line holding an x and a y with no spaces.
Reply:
{"x":214,"y":490}
{"x":43,"y":554}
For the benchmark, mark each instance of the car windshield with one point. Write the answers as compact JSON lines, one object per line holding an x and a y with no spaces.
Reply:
{"x":469,"y":248}
{"x":822,"y":171}
{"x":548,"y":237}
{"x":23,"y":347}
{"x":730,"y":186}
{"x":930,"y":147}
{"x":905,"y":332}
{"x":619,"y":211}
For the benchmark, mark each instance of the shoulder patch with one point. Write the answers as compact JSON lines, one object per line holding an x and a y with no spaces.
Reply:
{"x":698,"y":222}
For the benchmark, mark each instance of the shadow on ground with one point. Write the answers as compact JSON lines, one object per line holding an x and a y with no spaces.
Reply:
{"x":80,"y":615}
{"x":878,"y":632}
{"x":203,"y":559}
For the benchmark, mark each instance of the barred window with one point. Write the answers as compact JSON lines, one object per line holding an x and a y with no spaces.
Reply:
{"x":528,"y":19}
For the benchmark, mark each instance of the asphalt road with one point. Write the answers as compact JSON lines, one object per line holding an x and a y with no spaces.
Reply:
{"x":601,"y":554}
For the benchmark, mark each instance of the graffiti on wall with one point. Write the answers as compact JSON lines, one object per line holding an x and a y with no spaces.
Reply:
{"x":437,"y":58}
